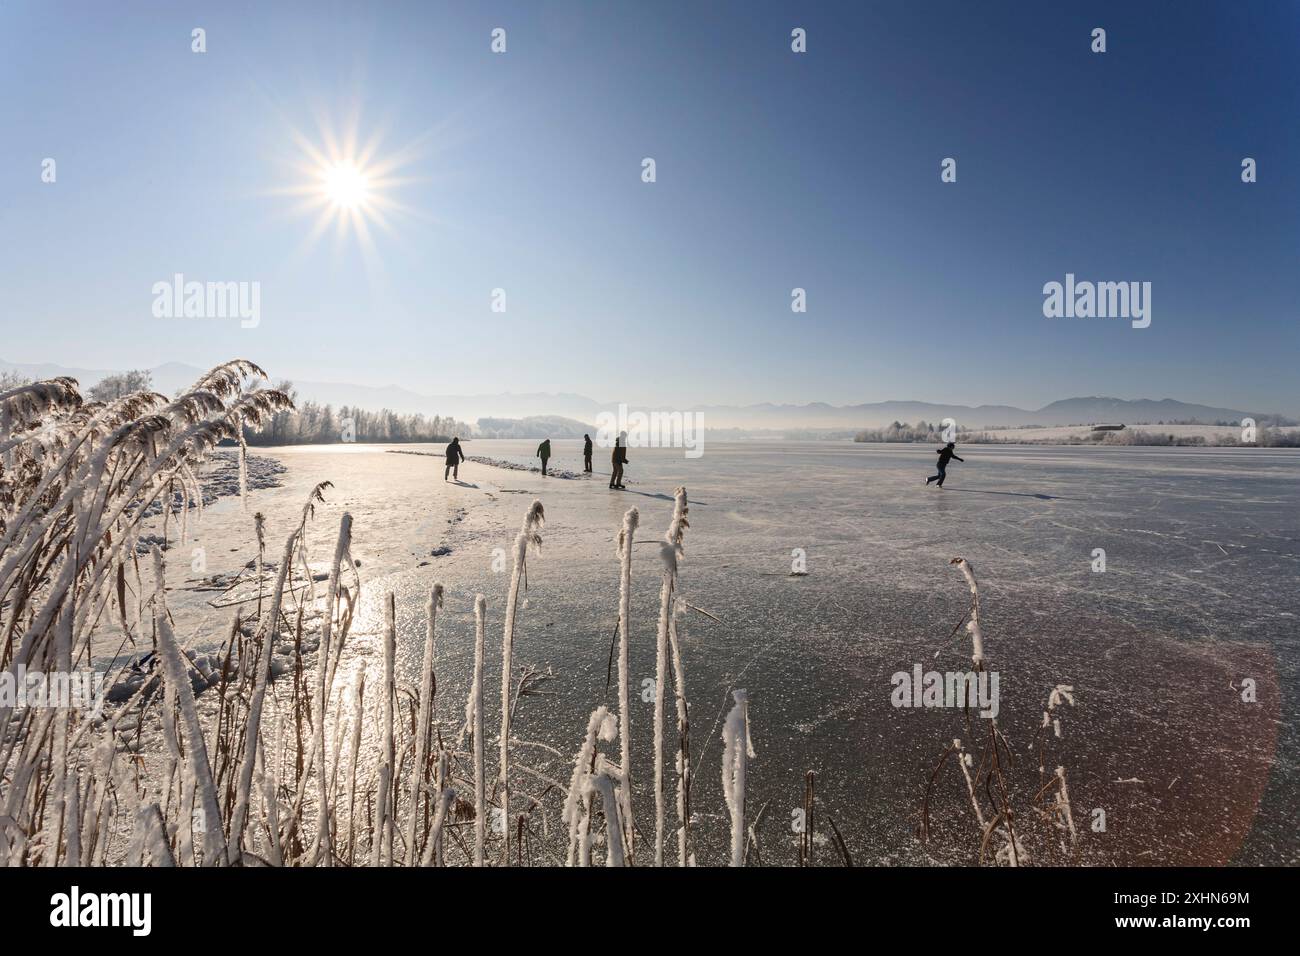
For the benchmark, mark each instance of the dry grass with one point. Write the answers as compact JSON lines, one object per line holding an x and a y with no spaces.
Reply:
{"x":987,"y":775}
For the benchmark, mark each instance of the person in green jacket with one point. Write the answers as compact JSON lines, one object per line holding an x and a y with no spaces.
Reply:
{"x":544,"y":453}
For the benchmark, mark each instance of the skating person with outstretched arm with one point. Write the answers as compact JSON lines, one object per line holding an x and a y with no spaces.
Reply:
{"x":454,"y":457}
{"x":946,"y":454}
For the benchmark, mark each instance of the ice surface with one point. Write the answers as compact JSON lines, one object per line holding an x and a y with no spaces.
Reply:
{"x":1202,"y":551}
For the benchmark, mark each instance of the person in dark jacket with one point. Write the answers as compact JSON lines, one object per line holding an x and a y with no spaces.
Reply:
{"x":544,"y":453}
{"x":946,"y":454}
{"x":618,"y":459}
{"x":454,"y":457}
{"x":586,"y":453}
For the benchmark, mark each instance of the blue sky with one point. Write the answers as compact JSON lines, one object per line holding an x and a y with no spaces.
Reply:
{"x":775,"y":170}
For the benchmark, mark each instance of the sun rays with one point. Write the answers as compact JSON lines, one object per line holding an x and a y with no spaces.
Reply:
{"x":346,"y":185}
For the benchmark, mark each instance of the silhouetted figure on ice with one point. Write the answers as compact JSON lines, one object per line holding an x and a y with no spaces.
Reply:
{"x":946,"y":454}
{"x":618,"y":459}
{"x":544,"y":453}
{"x":586,"y":453}
{"x":454,"y":457}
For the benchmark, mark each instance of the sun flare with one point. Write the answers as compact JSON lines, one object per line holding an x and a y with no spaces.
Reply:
{"x":345,"y":185}
{"x":348,"y":185}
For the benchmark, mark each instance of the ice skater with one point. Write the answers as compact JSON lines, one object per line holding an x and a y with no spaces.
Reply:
{"x":454,"y":457}
{"x":618,"y":459}
{"x":586,"y":453}
{"x":544,"y":453}
{"x":946,"y":454}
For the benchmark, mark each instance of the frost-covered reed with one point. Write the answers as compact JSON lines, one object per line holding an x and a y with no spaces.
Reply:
{"x":381,"y":851}
{"x":474,"y":719}
{"x":603,"y":783}
{"x":528,"y":535}
{"x":77,"y":479}
{"x":198,"y":789}
{"x":625,"y":536}
{"x":428,"y":686}
{"x":324,"y":817}
{"x":577,"y":805}
{"x":433,"y":852}
{"x":670,"y":552}
{"x":266,"y":755}
{"x":973,"y":625}
{"x":683,"y":739}
{"x":986,"y":771}
{"x":737,"y":749}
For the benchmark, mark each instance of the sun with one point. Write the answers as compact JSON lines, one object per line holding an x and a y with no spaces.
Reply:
{"x":345,"y":185}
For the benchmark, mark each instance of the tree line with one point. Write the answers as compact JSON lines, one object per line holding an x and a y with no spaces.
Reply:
{"x":922,"y":431}
{"x":309,"y":423}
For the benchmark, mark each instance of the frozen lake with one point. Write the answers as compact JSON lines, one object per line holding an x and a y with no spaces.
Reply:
{"x":1197,"y":605}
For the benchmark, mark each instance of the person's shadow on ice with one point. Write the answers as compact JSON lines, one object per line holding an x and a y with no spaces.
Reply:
{"x":1017,"y":494}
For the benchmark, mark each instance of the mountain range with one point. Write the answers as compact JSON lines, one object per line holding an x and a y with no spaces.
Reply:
{"x":171,"y":376}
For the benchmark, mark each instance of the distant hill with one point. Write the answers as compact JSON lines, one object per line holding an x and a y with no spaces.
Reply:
{"x":563,"y":412}
{"x":1070,"y":411}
